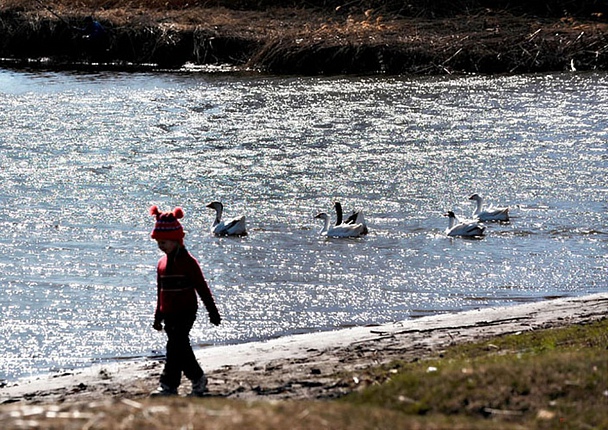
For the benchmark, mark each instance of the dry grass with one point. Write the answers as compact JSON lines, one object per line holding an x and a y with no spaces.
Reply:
{"x":536,"y":380}
{"x":553,"y":378}
{"x":180,"y":413}
{"x":315,"y":37}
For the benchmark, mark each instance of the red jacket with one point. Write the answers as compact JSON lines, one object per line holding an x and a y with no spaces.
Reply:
{"x":179,"y":278}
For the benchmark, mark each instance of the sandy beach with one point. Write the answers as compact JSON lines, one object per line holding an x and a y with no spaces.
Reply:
{"x":309,"y":366}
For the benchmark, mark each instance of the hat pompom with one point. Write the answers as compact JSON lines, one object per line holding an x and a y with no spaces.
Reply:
{"x":154,"y":211}
{"x":178,"y":213}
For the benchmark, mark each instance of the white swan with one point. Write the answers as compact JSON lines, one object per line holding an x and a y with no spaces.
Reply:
{"x":342,"y":230}
{"x":232,"y":227}
{"x":465,"y":229}
{"x":355,"y":218}
{"x":488,"y":214}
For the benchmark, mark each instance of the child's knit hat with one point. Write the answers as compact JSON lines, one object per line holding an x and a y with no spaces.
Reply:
{"x":167,"y":226}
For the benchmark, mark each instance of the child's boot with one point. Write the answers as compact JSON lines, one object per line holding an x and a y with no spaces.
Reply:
{"x":199,"y":387}
{"x":164,"y":390}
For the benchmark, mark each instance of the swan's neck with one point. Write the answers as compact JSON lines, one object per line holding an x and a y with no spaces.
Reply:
{"x":452,"y":220}
{"x":478,"y":207}
{"x":218,"y":216}
{"x":325,"y":228}
{"x":338,"y":214}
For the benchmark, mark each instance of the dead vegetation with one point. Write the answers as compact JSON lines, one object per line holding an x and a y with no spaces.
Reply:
{"x":321,"y":38}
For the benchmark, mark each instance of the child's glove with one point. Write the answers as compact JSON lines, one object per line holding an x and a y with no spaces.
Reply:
{"x":158,"y":321}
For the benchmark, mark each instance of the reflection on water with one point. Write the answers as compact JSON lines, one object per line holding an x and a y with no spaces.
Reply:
{"x":83,"y":157}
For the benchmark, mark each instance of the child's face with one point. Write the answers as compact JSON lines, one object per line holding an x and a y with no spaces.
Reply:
{"x":167,"y":246}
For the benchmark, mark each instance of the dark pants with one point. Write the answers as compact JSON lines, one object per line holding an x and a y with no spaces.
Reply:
{"x":180,"y":357}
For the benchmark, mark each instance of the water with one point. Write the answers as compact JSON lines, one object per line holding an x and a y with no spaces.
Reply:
{"x":84,"y":156}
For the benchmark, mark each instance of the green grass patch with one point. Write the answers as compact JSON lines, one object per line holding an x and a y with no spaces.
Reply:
{"x":540,"y":379}
{"x":543,"y":379}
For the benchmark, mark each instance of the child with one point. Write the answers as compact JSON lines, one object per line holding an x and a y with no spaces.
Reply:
{"x":179,"y":278}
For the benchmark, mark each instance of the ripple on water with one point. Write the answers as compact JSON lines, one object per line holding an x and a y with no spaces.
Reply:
{"x":84,"y":157}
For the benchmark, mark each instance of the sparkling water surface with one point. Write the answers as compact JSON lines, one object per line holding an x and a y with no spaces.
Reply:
{"x":84,"y":156}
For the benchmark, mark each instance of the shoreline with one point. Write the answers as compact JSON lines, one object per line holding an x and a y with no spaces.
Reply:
{"x":304,"y":41}
{"x":308,"y":366}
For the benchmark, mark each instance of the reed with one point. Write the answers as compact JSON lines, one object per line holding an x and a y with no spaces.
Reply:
{"x":427,"y":8}
{"x":315,"y":37}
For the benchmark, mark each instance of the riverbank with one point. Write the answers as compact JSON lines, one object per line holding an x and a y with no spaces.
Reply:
{"x":302,"y":40}
{"x":310,"y":366}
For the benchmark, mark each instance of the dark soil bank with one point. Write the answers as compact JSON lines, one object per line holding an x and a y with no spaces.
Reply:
{"x":316,"y":37}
